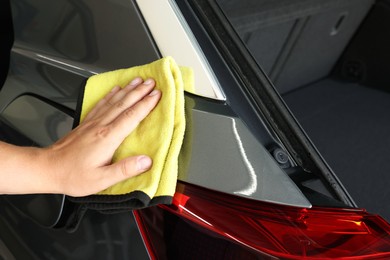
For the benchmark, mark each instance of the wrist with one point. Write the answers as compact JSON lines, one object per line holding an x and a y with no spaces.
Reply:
{"x":39,"y":171}
{"x":47,"y":170}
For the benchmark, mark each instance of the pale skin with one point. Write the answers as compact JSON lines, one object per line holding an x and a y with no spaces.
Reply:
{"x":80,"y":164}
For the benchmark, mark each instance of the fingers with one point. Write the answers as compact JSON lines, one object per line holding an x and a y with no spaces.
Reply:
{"x":99,"y":107}
{"x":123,"y":170}
{"x":113,"y":105}
{"x":127,"y":121}
{"x":128,"y":101}
{"x":132,"y":85}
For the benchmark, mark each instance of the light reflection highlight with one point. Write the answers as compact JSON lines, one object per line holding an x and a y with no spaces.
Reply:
{"x":252,"y":185}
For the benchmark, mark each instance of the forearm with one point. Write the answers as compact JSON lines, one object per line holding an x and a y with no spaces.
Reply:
{"x":24,"y":170}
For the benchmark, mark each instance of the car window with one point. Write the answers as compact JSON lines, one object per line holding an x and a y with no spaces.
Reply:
{"x":324,"y":61}
{"x":295,"y":42}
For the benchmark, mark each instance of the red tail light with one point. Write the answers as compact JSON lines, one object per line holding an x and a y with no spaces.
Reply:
{"x":283,"y":231}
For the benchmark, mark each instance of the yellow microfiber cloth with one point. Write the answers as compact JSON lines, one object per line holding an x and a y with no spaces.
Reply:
{"x":159,"y":135}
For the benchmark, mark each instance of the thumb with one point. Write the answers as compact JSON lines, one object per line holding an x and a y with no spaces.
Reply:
{"x":127,"y":168}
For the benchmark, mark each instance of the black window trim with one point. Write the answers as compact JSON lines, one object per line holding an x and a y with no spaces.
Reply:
{"x":264,"y":96}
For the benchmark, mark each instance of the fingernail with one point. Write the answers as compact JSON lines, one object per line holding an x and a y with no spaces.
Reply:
{"x":136,"y":81}
{"x":144,"y":163}
{"x":154,"y":92}
{"x":148,"y":81}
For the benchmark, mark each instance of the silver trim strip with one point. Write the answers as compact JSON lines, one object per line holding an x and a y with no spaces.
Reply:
{"x":174,"y":38}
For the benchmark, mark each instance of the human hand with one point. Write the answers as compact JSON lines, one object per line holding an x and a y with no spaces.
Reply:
{"x":80,"y":163}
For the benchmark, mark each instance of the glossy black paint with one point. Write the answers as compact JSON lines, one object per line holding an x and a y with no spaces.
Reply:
{"x":99,"y":236}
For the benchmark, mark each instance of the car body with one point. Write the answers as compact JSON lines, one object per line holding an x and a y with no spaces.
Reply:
{"x":251,"y":183}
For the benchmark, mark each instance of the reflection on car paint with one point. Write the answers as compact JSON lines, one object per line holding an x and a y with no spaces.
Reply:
{"x":252,"y":183}
{"x":225,"y":156}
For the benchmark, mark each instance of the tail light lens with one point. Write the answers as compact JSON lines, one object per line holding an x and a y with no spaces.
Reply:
{"x":274,"y":230}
